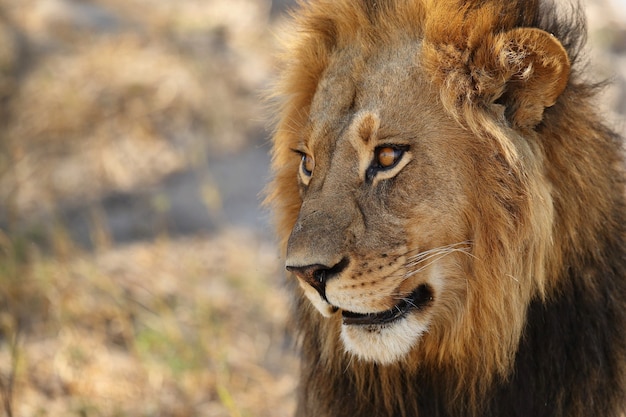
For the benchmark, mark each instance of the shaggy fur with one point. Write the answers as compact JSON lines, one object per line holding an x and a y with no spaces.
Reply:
{"x":505,"y":207}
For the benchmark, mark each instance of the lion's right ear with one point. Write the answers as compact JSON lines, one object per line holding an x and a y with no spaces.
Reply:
{"x":534,"y":70}
{"x":524,"y":69}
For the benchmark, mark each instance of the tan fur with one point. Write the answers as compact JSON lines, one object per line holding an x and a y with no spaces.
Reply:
{"x":470,"y":94}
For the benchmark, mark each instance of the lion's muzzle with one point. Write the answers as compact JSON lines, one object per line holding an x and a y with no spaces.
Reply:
{"x":317,"y":275}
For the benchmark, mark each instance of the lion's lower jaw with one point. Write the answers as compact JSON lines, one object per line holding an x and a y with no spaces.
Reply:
{"x":385,"y":343}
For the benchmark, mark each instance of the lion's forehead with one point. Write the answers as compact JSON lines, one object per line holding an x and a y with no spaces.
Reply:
{"x":388,"y":82}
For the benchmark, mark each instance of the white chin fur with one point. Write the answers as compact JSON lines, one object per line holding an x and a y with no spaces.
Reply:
{"x":383,"y":344}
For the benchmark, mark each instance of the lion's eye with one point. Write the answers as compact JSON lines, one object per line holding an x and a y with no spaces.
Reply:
{"x":387,"y":157}
{"x":308,"y":165}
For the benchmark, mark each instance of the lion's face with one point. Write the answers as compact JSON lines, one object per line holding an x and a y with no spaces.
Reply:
{"x":382,"y":237}
{"x":449,"y":207}
{"x":410,"y":188}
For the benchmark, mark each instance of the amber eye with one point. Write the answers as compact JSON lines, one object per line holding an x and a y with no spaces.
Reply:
{"x":386,"y":156}
{"x":308,"y":164}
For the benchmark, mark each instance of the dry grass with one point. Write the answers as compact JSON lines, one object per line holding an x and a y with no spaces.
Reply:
{"x":123,"y":92}
{"x":112,"y":96}
{"x":190,"y":327}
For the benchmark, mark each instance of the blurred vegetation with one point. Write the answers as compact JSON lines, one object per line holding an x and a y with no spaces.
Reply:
{"x":184,"y":327}
{"x":133,"y":144}
{"x":108,"y":110}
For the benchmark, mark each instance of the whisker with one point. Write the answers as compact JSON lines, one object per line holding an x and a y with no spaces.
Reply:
{"x":423,"y":267}
{"x":417,"y":260}
{"x":422,"y":260}
{"x":429,"y":261}
{"x":465,"y":244}
{"x":513,"y":278}
{"x":461,"y":246}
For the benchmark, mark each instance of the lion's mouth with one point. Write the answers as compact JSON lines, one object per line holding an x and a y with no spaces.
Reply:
{"x":418,"y":299}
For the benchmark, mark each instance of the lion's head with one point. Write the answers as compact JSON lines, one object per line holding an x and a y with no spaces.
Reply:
{"x":411,"y":226}
{"x":429,"y":179}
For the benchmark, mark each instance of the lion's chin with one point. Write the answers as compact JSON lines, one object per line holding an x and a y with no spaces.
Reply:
{"x":384,"y":343}
{"x":385,"y":337}
{"x":382,"y":337}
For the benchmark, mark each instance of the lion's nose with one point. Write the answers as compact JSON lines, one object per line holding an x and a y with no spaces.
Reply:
{"x":317,"y":275}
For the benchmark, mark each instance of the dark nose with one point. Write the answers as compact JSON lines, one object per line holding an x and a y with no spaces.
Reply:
{"x":317,"y":275}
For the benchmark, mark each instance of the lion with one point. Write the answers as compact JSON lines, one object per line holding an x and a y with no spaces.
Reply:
{"x":450,"y":206}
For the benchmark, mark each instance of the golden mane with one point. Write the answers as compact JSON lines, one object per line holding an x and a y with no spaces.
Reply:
{"x":550,"y":231}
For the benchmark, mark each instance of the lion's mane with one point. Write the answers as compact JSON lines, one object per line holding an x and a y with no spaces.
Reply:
{"x":564,"y":353}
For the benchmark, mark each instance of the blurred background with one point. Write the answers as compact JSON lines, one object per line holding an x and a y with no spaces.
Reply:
{"x":138,"y":273}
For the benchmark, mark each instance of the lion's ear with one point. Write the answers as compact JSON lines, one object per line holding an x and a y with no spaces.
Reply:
{"x":533,"y":69}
